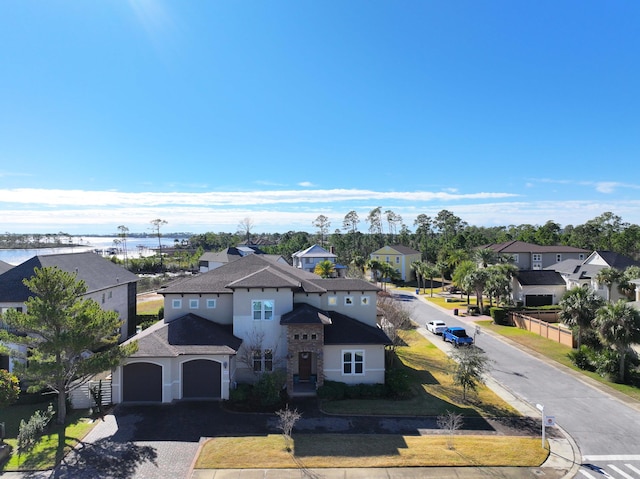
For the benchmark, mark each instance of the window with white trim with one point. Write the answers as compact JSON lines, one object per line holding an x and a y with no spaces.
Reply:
{"x":364,"y":300}
{"x":348,"y":300}
{"x":397,"y":259}
{"x":262,"y":309}
{"x":558,"y":258}
{"x":352,"y":363}
{"x":194,"y":304}
{"x":536,"y":257}
{"x":263,"y":361}
{"x":211,"y":303}
{"x":516,"y":257}
{"x":176,"y":304}
{"x":332,"y":300}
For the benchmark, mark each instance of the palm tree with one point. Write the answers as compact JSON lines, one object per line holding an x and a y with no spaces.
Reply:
{"x":608,"y":276}
{"x":579,"y":306}
{"x":325,"y":269}
{"x":618,"y":325}
{"x":359,"y":262}
{"x":387,"y":273}
{"x":417,"y":267}
{"x":430,"y":271}
{"x":485,"y":257}
{"x":463,"y":269}
{"x":498,"y":284}
{"x":476,"y":281}
{"x":440,"y":267}
{"x":374,"y":266}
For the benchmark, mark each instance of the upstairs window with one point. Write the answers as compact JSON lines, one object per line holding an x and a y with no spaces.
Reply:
{"x":176,"y":304}
{"x":211,"y":303}
{"x":262,"y":309}
{"x":194,"y":304}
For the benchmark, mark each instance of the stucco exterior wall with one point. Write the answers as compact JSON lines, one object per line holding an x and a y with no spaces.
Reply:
{"x":373,"y":364}
{"x":221,"y":314}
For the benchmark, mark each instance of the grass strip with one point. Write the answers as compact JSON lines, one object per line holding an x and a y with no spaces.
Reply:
{"x":362,"y":450}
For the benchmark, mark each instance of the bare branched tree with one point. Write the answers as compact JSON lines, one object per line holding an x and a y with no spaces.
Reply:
{"x":287,"y":419}
{"x":245,"y":227}
{"x":450,"y":422}
{"x":396,"y":317}
{"x":253,"y":348}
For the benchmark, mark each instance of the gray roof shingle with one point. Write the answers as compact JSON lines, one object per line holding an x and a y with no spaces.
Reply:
{"x":97,"y":272}
{"x":189,"y":334}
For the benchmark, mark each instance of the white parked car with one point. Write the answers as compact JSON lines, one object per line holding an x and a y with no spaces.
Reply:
{"x":436,"y":327}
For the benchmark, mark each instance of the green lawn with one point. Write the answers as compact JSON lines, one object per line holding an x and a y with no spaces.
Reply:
{"x":435,"y":392}
{"x":54,"y":445}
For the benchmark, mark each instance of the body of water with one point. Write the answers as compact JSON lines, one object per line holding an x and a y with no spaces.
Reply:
{"x":135,"y":248}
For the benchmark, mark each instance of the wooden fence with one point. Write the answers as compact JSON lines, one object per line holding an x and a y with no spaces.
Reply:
{"x":551,"y":330}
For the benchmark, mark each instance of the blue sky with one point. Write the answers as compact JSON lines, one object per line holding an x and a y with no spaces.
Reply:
{"x":203,"y":113}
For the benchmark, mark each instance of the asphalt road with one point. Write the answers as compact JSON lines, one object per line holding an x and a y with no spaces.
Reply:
{"x":601,"y":424}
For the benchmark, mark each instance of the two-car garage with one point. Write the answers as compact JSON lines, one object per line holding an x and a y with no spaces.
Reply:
{"x":200,"y":379}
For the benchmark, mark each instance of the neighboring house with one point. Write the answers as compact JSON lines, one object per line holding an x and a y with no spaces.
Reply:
{"x":527,"y":256}
{"x":400,"y":257}
{"x":110,"y":285}
{"x":538,"y":287}
{"x":308,"y":258}
{"x":599,"y":260}
{"x":210,"y":260}
{"x":255,"y":315}
{"x":584,"y":273}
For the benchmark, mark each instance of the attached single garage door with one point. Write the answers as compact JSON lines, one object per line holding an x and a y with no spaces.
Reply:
{"x":538,"y":300}
{"x":142,"y":382}
{"x":201,"y":379}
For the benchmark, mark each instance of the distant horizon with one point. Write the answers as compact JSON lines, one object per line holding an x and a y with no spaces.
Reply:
{"x":363,"y":228}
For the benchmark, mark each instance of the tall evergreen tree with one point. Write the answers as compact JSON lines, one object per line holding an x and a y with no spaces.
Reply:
{"x":69,"y":338}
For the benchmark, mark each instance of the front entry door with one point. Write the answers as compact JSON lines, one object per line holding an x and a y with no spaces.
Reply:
{"x":304,"y":366}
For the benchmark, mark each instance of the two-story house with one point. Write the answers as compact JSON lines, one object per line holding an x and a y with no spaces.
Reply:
{"x":110,"y":285}
{"x":529,"y":256}
{"x":308,"y":258}
{"x":400,"y":257}
{"x":254,"y":315}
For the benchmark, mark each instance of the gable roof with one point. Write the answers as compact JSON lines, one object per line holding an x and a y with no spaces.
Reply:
{"x":614,"y":260}
{"x":540,"y":277}
{"x":338,"y":328}
{"x":97,"y":272}
{"x":189,"y":334}
{"x":513,"y":247}
{"x":262,"y":271}
{"x":314,"y":251}
{"x":401,"y":249}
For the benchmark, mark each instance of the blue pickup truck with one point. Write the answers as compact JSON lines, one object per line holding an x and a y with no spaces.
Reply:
{"x":457,"y":336}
